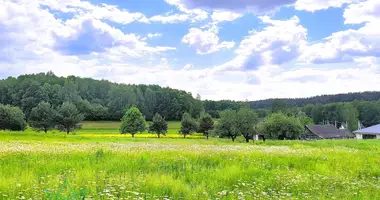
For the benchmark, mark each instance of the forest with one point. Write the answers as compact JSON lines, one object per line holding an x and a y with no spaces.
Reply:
{"x":104,"y":100}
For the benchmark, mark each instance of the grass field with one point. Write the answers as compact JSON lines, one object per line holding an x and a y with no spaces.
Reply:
{"x":113,"y":127}
{"x":36,"y":165}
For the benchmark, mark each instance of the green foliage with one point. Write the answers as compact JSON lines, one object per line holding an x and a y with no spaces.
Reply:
{"x":244,"y":124}
{"x":158,"y":125}
{"x":42,"y":117}
{"x":281,"y":126}
{"x":132,"y":122}
{"x":67,"y":117}
{"x":206,"y":123}
{"x":97,"y":99}
{"x":12,"y":118}
{"x":225,"y":126}
{"x":188,"y":125}
{"x":304,"y":119}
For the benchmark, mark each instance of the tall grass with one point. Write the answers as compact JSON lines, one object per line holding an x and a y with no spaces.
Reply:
{"x":108,"y":166}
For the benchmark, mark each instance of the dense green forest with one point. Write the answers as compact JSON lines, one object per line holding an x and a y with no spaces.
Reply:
{"x":104,"y":100}
{"x":97,"y":99}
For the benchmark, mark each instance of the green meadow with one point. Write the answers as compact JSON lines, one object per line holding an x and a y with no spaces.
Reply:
{"x":99,"y":163}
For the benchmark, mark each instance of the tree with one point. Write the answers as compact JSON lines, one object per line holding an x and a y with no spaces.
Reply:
{"x":206,"y":123}
{"x":244,"y":123}
{"x":225,"y":126}
{"x":304,"y":119}
{"x":12,"y":118}
{"x":132,"y":122}
{"x":42,"y":117}
{"x":188,"y":125}
{"x":281,"y":126}
{"x":158,"y":125}
{"x":68,"y":117}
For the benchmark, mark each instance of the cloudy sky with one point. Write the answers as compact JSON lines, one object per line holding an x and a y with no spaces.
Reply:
{"x":220,"y":49}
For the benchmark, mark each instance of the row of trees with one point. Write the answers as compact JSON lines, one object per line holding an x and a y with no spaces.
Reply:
{"x":232,"y":124}
{"x":134,"y":122}
{"x":42,"y":117}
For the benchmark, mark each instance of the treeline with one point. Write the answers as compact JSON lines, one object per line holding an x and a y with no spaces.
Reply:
{"x":96,"y":99}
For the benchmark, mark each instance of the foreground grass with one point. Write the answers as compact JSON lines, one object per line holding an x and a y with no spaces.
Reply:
{"x":34,"y":164}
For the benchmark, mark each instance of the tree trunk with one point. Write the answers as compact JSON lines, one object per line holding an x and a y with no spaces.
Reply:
{"x":206,"y":133}
{"x":233,"y":139}
{"x":158,"y":135}
{"x":67,"y":131}
{"x":247,"y":139}
{"x":133,"y":135}
{"x":207,"y":136}
{"x":45,"y":129}
{"x":184,"y":135}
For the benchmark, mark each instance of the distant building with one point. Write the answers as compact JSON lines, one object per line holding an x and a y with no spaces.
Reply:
{"x":317,"y":132}
{"x":372,"y":132}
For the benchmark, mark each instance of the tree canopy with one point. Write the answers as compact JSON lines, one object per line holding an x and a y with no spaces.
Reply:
{"x":206,"y":123}
{"x":281,"y":126}
{"x":67,"y":117}
{"x":132,"y":122}
{"x":42,"y":117}
{"x":188,"y":125}
{"x":12,"y":118}
{"x":158,"y":125}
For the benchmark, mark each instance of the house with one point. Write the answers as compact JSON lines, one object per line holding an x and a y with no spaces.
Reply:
{"x":372,"y":132}
{"x":316,"y":132}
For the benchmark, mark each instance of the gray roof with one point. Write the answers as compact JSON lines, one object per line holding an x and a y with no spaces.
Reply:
{"x":372,"y":130}
{"x":329,"y":131}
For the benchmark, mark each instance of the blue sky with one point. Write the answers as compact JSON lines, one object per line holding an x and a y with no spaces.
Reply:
{"x":243,"y":49}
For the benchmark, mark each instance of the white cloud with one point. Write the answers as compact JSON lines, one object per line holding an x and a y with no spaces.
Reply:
{"x":207,"y":41}
{"x":315,"y":5}
{"x":366,"y":11}
{"x":345,"y":46}
{"x":278,"y":43}
{"x":188,"y":67}
{"x":255,"y":6}
{"x":152,"y":35}
{"x":221,"y":16}
{"x":85,"y":8}
{"x":169,"y":19}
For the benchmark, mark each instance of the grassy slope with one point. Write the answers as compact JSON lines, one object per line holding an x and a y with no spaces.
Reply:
{"x":151,"y":168}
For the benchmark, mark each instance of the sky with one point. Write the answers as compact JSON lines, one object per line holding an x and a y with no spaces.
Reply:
{"x":220,"y":49}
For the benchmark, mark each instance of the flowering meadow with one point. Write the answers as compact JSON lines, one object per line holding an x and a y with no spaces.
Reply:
{"x":109,"y":166}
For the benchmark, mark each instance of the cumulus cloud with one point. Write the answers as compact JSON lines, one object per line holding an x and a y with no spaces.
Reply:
{"x":315,"y":5}
{"x":256,"y":6}
{"x":278,"y":43}
{"x":221,"y":16}
{"x":206,"y":41}
{"x":344,"y":46}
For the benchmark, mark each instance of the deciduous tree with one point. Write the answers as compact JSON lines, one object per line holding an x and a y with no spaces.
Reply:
{"x":158,"y":125}
{"x":206,"y":123}
{"x":132,"y":122}
{"x":68,"y":117}
{"x":188,"y":125}
{"x":42,"y":117}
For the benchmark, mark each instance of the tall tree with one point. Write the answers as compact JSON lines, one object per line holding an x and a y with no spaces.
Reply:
{"x":68,"y":117}
{"x":245,"y":122}
{"x":188,"y":125}
{"x":225,"y":126}
{"x":158,"y":125}
{"x":42,"y":117}
{"x":132,"y":122}
{"x":206,"y":123}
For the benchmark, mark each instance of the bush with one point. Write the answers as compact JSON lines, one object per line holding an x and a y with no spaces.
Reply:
{"x":12,"y":118}
{"x":281,"y":126}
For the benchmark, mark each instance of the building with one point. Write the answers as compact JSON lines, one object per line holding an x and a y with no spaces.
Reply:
{"x":317,"y":132}
{"x":372,"y":132}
